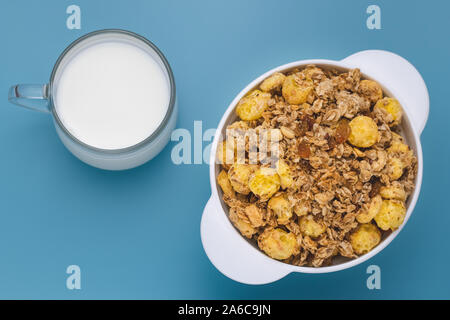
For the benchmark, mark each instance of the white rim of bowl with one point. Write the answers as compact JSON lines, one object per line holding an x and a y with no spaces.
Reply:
{"x":345,"y":265}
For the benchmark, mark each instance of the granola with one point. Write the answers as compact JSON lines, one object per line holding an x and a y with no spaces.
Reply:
{"x":325,"y":172}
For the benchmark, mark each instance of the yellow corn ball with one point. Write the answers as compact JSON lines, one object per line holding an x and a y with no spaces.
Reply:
{"x":302,"y":208}
{"x":264,"y":183}
{"x":226,"y":154}
{"x":399,"y":147}
{"x":371,"y":89}
{"x":394,"y":191}
{"x":365,"y":216}
{"x":239,"y":175}
{"x":395,"y":168}
{"x":401,"y":150}
{"x":224,"y":183}
{"x":278,"y":244}
{"x":285,"y":174}
{"x":296,"y":90}
{"x":365,"y":238}
{"x":281,"y":207}
{"x":273,"y":82}
{"x":391,"y":215}
{"x":397,"y":138}
{"x":364,"y":132}
{"x":252,"y":106}
{"x":393,"y":107}
{"x":255,"y":215}
{"x":310,"y":227}
{"x":243,"y":226}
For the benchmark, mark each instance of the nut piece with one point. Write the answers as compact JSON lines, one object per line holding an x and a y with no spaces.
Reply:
{"x":312,"y":72}
{"x":309,"y":227}
{"x":278,"y":244}
{"x":367,"y":214}
{"x":394,"y":191}
{"x":273,"y":82}
{"x":238,"y":125}
{"x":287,"y":132}
{"x":371,"y":89}
{"x":302,"y":208}
{"x":392,"y":107}
{"x":264,"y":183}
{"x":252,"y":106}
{"x":224,"y":183}
{"x":391,"y":215}
{"x":239,"y":175}
{"x":296,"y":90}
{"x":285,"y":174}
{"x":281,"y":207}
{"x":243,"y":226}
{"x":365,"y":238}
{"x":364,"y":132}
{"x":255,"y":215}
{"x":269,"y":136}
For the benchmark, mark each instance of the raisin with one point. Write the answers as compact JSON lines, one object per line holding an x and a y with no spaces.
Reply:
{"x":376,"y":186}
{"x":343,"y":131}
{"x":303,"y":150}
{"x":301,"y":129}
{"x":306,"y":124}
{"x":310,"y":122}
{"x":331,"y":141}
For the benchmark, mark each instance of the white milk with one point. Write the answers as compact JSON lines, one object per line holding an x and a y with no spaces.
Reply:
{"x":112,"y":95}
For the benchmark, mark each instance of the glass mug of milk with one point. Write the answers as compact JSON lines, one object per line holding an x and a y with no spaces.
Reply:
{"x":112,"y":97}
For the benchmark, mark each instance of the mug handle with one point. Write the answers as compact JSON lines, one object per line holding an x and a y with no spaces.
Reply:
{"x":402,"y":79}
{"x":231,"y":254}
{"x":30,"y":96}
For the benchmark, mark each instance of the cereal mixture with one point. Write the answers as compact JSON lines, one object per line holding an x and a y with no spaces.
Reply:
{"x":340,"y":177}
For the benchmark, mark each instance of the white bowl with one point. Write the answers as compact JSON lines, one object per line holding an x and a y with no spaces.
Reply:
{"x":240,"y":260}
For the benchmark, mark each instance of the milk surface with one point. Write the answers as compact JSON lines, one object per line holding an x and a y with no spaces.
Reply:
{"x":112,"y":95}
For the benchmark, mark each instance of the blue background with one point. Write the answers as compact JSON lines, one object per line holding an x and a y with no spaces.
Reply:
{"x":135,"y":234}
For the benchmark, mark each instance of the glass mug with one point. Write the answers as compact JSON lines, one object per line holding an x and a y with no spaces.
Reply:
{"x":41,"y":98}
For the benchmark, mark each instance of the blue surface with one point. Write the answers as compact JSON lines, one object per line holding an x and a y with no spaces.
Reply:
{"x":135,"y":234}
